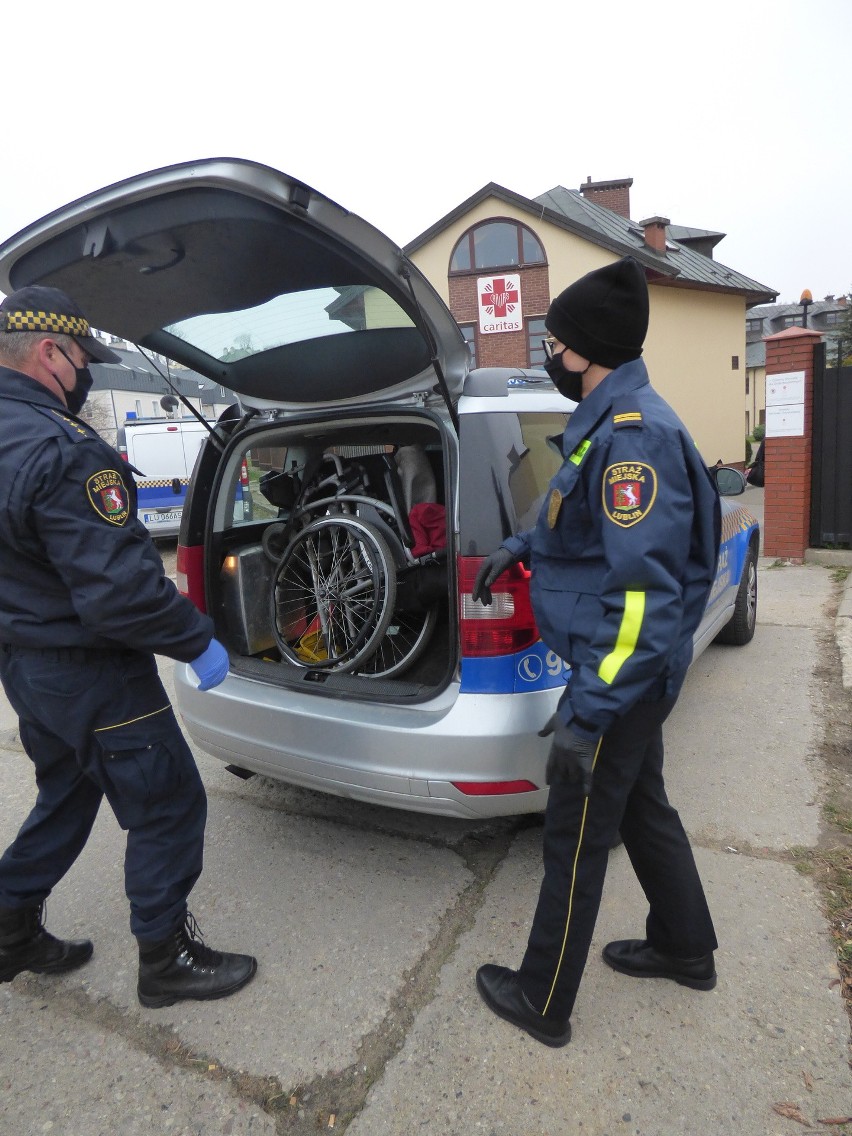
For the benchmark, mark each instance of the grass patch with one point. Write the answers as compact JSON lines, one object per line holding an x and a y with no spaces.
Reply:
{"x":838,"y":817}
{"x":831,"y":871}
{"x":841,"y":575}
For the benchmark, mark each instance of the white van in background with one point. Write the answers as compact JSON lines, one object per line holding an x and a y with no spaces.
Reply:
{"x":163,"y":452}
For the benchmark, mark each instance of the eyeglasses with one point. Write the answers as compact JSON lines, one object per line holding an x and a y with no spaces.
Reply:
{"x":549,"y":344}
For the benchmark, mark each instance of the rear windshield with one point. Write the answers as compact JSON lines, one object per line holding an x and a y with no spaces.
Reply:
{"x":507,"y":461}
{"x":290,"y":318}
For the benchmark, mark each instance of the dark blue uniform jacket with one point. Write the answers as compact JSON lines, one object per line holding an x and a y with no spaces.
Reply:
{"x":624,"y":551}
{"x":77,"y":569}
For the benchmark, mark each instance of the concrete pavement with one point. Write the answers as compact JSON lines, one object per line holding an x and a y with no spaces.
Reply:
{"x":369,"y":925}
{"x":826,"y":558}
{"x":650,"y":1058}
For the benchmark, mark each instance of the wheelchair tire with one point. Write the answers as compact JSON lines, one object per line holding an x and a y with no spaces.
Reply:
{"x":405,"y":640}
{"x":333,"y":594}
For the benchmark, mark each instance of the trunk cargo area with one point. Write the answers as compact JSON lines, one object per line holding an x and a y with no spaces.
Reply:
{"x":344,"y":577}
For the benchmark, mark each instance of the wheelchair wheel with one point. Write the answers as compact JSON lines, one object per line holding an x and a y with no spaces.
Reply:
{"x":405,"y":640}
{"x":333,"y":594}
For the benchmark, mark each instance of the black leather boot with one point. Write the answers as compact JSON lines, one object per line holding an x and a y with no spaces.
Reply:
{"x":500,"y":990}
{"x":181,"y":966}
{"x":25,"y":945}
{"x":638,"y":958}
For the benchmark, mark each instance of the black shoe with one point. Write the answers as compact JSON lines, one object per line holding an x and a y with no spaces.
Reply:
{"x":25,"y":945}
{"x":501,"y":992}
{"x":638,"y":958}
{"x":181,"y":966}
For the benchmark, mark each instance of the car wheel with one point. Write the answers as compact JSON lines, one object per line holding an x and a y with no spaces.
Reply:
{"x":740,"y":629}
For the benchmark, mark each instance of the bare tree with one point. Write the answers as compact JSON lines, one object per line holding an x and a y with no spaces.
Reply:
{"x":99,"y":414}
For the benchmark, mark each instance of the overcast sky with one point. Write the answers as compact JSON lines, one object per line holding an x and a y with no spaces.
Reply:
{"x":731,"y":116}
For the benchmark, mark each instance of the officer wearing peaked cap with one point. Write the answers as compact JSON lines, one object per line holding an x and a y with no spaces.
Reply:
{"x":84,"y":607}
{"x":623,"y":557}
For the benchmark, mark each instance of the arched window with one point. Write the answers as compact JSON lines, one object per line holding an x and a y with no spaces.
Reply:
{"x":496,"y":244}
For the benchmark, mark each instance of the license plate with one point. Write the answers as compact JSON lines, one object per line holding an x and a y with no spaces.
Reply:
{"x":173,"y":515}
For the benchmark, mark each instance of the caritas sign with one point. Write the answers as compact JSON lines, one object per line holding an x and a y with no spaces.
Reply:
{"x":499,"y":304}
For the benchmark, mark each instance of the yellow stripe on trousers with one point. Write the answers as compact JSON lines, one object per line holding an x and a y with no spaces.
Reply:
{"x":571,"y":891}
{"x":132,"y":721}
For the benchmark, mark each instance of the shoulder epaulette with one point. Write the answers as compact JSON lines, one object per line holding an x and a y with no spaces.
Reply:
{"x":75,"y":430}
{"x":625,"y":413}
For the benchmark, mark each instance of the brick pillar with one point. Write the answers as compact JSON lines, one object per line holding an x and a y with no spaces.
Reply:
{"x":787,"y":500}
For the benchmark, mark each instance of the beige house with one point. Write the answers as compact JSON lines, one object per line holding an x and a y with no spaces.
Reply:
{"x":696,"y":345}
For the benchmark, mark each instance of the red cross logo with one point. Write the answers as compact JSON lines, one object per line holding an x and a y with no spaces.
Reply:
{"x":498,"y":299}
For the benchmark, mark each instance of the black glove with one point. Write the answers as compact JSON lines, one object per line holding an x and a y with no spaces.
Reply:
{"x":571,"y":757}
{"x":492,"y":567}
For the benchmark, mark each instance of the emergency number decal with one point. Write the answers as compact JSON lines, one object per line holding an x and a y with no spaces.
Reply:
{"x":629,"y":491}
{"x":108,"y":496}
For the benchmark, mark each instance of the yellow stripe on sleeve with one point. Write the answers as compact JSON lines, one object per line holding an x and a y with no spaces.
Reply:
{"x":628,"y":636}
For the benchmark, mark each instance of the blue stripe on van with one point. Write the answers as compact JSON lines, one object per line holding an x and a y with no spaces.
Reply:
{"x":159,"y":495}
{"x":534,"y":668}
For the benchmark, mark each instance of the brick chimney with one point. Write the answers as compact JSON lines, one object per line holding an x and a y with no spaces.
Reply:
{"x":655,"y":233}
{"x":614,"y":195}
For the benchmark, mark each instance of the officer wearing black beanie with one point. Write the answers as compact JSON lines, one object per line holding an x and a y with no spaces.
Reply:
{"x":623,"y":557}
{"x":603,"y":316}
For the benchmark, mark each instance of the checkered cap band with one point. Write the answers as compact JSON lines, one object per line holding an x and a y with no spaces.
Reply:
{"x":46,"y":321}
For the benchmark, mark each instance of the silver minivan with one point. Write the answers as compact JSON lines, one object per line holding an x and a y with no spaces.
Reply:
{"x":381,"y":470}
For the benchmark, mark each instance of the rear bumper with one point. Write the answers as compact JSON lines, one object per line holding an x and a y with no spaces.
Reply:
{"x":400,"y":756}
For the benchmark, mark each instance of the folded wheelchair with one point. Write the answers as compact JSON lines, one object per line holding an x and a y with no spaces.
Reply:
{"x":354,"y":589}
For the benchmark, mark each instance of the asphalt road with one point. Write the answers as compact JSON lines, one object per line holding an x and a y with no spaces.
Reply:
{"x":369,"y":925}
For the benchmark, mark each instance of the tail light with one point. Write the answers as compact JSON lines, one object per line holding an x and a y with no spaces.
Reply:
{"x":189,"y":574}
{"x":507,"y":625}
{"x":244,"y":492}
{"x":493,"y":788}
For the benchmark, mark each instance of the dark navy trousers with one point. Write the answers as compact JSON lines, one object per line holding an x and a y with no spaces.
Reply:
{"x":99,"y":724}
{"x":628,"y":795}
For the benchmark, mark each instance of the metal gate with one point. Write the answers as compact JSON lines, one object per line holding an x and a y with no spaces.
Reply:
{"x":831,"y":472}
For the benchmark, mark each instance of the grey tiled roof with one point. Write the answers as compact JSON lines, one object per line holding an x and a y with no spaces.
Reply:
{"x":136,"y":373}
{"x":774,"y":316}
{"x":678,"y":261}
{"x":778,"y":311}
{"x":569,"y":209}
{"x":572,"y":204}
{"x":686,"y":233}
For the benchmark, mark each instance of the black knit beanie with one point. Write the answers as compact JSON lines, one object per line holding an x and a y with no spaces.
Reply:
{"x":603,"y":316}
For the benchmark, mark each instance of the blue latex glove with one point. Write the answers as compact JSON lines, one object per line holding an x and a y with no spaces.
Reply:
{"x":571,"y":757}
{"x":211,"y":666}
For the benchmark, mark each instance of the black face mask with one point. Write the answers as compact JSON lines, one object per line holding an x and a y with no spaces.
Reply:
{"x":568,"y":383}
{"x":75,"y":399}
